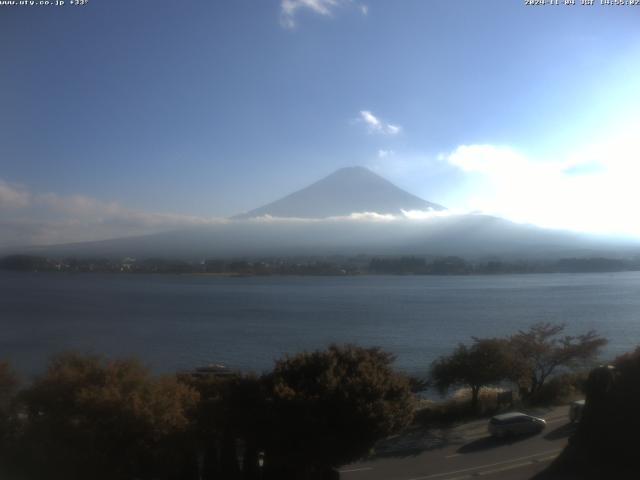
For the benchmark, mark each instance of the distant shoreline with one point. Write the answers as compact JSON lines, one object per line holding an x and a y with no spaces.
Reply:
{"x":282,"y":275}
{"x":310,"y":266}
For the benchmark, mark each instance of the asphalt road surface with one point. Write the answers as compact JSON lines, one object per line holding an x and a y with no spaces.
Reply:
{"x":465,"y":452}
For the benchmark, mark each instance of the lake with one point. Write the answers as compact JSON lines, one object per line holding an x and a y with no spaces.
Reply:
{"x":176,"y":322}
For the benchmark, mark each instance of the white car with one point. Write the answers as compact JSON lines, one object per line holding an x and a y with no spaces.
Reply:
{"x":515,"y":423}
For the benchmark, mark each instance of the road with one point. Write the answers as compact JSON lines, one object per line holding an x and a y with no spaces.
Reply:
{"x":466,"y":452}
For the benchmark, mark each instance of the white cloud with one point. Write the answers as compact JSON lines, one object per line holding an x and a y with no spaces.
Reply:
{"x":393,"y":129}
{"x":289,"y":9}
{"x":429,"y":214}
{"x":592,"y":189}
{"x":405,"y":216}
{"x":385,"y":153}
{"x":370,"y":119}
{"x":375,"y":125}
{"x":367,"y":216}
{"x":13,"y":196}
{"x":490,"y":159}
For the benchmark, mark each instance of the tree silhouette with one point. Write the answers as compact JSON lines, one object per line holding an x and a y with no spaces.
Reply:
{"x":541,"y":351}
{"x":331,"y":406}
{"x":485,"y":362}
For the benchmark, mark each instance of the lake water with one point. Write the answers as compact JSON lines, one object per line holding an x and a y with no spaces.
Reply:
{"x":174,"y":322}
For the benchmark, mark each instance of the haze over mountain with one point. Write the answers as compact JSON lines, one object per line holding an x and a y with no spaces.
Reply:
{"x":352,"y":211}
{"x":346,"y":191}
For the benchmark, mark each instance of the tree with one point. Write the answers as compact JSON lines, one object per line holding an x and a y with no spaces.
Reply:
{"x":8,"y":385}
{"x":330,"y":407}
{"x":541,"y":351}
{"x":92,"y":418}
{"x":486,"y":362}
{"x":8,"y":388}
{"x":230,"y":422}
{"x":25,"y":263}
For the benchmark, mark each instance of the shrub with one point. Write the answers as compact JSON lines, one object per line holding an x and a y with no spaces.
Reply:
{"x":561,"y":389}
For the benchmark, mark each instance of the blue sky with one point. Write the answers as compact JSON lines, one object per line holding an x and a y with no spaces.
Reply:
{"x":154,"y":114}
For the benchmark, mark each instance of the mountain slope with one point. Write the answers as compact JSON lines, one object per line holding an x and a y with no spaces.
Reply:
{"x":346,"y":191}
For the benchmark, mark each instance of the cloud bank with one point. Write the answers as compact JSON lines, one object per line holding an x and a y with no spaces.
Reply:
{"x":590,"y":189}
{"x":13,"y":196}
{"x":31,"y":218}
